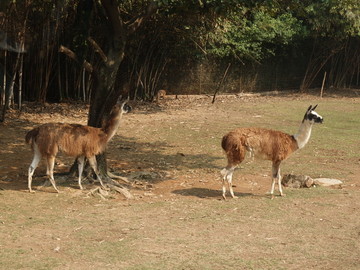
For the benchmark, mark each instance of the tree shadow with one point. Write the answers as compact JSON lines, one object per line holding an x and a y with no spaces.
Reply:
{"x":205,"y":193}
{"x":157,"y":155}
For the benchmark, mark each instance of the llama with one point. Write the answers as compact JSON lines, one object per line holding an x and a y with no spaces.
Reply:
{"x":266,"y":144}
{"x":74,"y":140}
{"x":160,"y":95}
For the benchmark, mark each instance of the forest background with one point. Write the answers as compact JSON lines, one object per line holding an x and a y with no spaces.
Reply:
{"x":95,"y":51}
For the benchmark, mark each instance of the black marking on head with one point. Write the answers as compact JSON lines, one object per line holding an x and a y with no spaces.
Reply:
{"x":127,"y":108}
{"x":311,"y":115}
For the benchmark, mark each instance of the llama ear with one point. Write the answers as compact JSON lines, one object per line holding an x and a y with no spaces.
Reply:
{"x":119,"y":99}
{"x":309,"y":109}
{"x":313,"y":109}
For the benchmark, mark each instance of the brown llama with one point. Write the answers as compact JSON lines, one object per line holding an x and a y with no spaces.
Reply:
{"x":266,"y":144}
{"x":74,"y":140}
{"x":160,"y":95}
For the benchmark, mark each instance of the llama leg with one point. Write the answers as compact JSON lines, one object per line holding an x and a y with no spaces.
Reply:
{"x":80,"y":161}
{"x":50,"y":171}
{"x":279,"y":184}
{"x":229,"y":180}
{"x":93,"y":164}
{"x":227,"y":173}
{"x":224,"y":172}
{"x":272,"y":187}
{"x":224,"y":188}
{"x":33,"y":166}
{"x":276,"y":176}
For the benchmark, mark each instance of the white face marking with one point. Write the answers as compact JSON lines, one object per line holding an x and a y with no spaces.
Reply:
{"x":314,"y":117}
{"x":316,"y":114}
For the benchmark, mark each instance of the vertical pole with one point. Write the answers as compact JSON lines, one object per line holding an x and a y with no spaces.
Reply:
{"x":322,"y":86}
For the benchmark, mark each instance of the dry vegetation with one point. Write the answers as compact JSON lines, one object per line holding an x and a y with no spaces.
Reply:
{"x":171,"y":153}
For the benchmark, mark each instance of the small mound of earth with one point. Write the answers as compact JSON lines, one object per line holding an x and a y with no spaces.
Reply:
{"x":297,"y":181}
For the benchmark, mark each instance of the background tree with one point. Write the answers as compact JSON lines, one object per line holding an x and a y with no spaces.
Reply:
{"x":134,"y":48}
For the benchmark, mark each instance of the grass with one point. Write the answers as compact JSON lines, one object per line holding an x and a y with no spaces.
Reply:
{"x":187,"y":226}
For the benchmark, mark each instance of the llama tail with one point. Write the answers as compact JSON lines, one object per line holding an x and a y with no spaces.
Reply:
{"x":235,"y":149}
{"x":223,"y":171}
{"x":31,"y":135}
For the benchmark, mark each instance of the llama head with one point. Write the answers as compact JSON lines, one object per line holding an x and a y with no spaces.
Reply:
{"x":312,"y":116}
{"x":123,"y":106}
{"x":126,"y":107}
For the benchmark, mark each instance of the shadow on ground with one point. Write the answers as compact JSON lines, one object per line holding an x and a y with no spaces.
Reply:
{"x":205,"y":193}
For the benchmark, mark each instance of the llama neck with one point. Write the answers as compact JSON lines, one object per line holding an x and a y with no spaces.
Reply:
{"x":112,"y":125}
{"x":304,"y":133}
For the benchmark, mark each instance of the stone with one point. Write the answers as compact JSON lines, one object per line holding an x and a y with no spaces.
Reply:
{"x":327,"y":182}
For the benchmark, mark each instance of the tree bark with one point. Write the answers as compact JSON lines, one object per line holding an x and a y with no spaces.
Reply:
{"x":10,"y":89}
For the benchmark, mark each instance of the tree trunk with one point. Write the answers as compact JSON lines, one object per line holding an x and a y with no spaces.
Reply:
{"x":10,"y":89}
{"x":110,"y":77}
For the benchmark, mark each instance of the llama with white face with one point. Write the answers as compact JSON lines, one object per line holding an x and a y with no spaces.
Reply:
{"x":74,"y":140}
{"x":266,"y":144}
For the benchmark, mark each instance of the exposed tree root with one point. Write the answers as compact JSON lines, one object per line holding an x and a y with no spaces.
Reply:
{"x":118,"y":177}
{"x":111,"y":185}
{"x":114,"y":185}
{"x":103,"y":192}
{"x":98,"y":191}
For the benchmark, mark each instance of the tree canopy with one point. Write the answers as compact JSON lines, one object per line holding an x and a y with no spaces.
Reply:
{"x":181,"y":45}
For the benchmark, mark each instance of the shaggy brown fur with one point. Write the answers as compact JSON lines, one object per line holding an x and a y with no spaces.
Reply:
{"x":71,"y":139}
{"x":74,"y":140}
{"x":264,"y":143}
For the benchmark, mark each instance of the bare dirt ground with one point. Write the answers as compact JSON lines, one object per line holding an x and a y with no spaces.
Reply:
{"x":171,"y":153}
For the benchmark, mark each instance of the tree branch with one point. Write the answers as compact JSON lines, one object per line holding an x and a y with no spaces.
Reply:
{"x":97,"y":49}
{"x":88,"y":67}
{"x":136,"y":22}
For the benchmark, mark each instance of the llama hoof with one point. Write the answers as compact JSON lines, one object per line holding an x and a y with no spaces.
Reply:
{"x":235,"y":197}
{"x":31,"y":191}
{"x":283,"y":195}
{"x":224,"y":197}
{"x":272,"y":196}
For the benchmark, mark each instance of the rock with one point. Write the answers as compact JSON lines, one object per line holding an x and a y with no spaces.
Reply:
{"x":327,"y":182}
{"x":297,"y":181}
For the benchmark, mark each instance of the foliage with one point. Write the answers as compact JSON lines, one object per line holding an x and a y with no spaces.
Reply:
{"x":252,"y":36}
{"x":336,"y":19}
{"x":182,"y":33}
